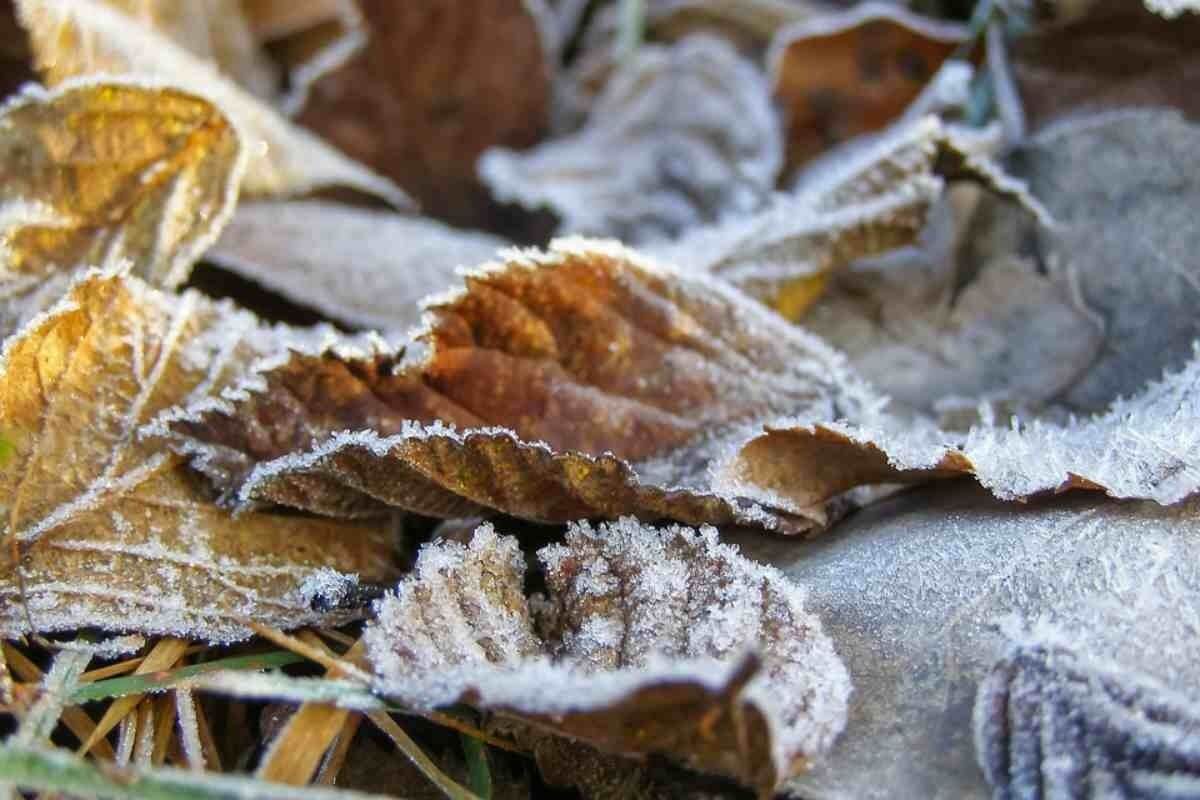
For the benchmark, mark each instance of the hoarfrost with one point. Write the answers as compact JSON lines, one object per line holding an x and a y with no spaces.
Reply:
{"x":643,"y":632}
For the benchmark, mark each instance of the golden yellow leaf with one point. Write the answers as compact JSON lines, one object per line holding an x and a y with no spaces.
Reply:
{"x":86,"y":37}
{"x":97,"y":174}
{"x":112,"y":531}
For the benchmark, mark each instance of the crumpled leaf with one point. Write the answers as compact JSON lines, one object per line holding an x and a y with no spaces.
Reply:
{"x":475,"y":75}
{"x":98,"y":174}
{"x":86,"y":37}
{"x":112,"y":531}
{"x":869,"y":200}
{"x":310,"y":37}
{"x":585,"y":382}
{"x":1144,"y":448}
{"x":1118,"y":55}
{"x":924,"y":592}
{"x":366,"y":268}
{"x":681,"y":136}
{"x":641,"y":647}
{"x":937,"y":341}
{"x":843,"y":74}
{"x":1050,"y":723}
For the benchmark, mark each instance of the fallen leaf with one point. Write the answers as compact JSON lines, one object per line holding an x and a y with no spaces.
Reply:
{"x":584,"y":382}
{"x":650,"y":641}
{"x":103,"y":173}
{"x":1011,"y":337}
{"x":681,"y":136}
{"x":872,"y":199}
{"x":306,"y":39}
{"x":923,"y":593}
{"x":113,"y":533}
{"x":362,"y":267}
{"x":475,"y":75}
{"x":1047,"y":716}
{"x":86,"y":37}
{"x":1115,"y":56}
{"x":843,"y":74}
{"x":1142,"y":448}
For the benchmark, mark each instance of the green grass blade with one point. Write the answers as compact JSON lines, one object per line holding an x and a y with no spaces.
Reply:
{"x":157,"y":681}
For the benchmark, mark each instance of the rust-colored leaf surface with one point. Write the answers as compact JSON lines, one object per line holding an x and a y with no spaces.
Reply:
{"x":88,"y":37}
{"x":583,"y":382}
{"x":111,"y":531}
{"x":649,"y":642}
{"x":98,"y":174}
{"x":438,"y":83}
{"x":841,"y":75}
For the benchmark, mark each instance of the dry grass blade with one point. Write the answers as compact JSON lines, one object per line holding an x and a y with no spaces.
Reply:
{"x":42,"y":718}
{"x":313,"y":652}
{"x":162,"y":656}
{"x":336,"y":759}
{"x":297,"y":751}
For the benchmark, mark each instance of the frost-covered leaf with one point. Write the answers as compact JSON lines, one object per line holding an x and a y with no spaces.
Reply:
{"x":681,"y":136}
{"x":112,"y":531}
{"x":1052,"y":725}
{"x":438,"y":82}
{"x":100,"y":174}
{"x":366,"y":268}
{"x":1117,"y":55}
{"x":309,"y":37}
{"x":924,"y":592}
{"x":1119,"y":187}
{"x":580,"y":383}
{"x":88,"y":37}
{"x":1012,"y":336}
{"x":868,"y":200}
{"x":1147,"y":447}
{"x":842,"y":74}
{"x":649,"y":641}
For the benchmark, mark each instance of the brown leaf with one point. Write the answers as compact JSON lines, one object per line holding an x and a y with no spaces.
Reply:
{"x":471,"y":76}
{"x":1143,"y":448}
{"x":1116,"y":56}
{"x":650,"y":641}
{"x":844,"y":74}
{"x":99,"y":174}
{"x":362,"y":267}
{"x":697,"y":141}
{"x":84,"y":37}
{"x":113,"y":532}
{"x":585,"y":382}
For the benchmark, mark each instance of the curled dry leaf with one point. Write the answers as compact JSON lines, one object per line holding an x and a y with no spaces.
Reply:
{"x":100,"y":174}
{"x":925,"y":592}
{"x":1145,"y":447}
{"x":438,"y":83}
{"x":872,"y":199}
{"x":1011,"y":336}
{"x":844,"y":74}
{"x":681,"y":136}
{"x":309,"y":37}
{"x":585,"y":382}
{"x":362,"y":267}
{"x":649,"y":641}
{"x":113,"y":532}
{"x":85,"y":37}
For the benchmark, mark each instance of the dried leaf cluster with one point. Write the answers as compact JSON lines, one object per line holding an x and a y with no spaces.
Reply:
{"x":247,"y":388}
